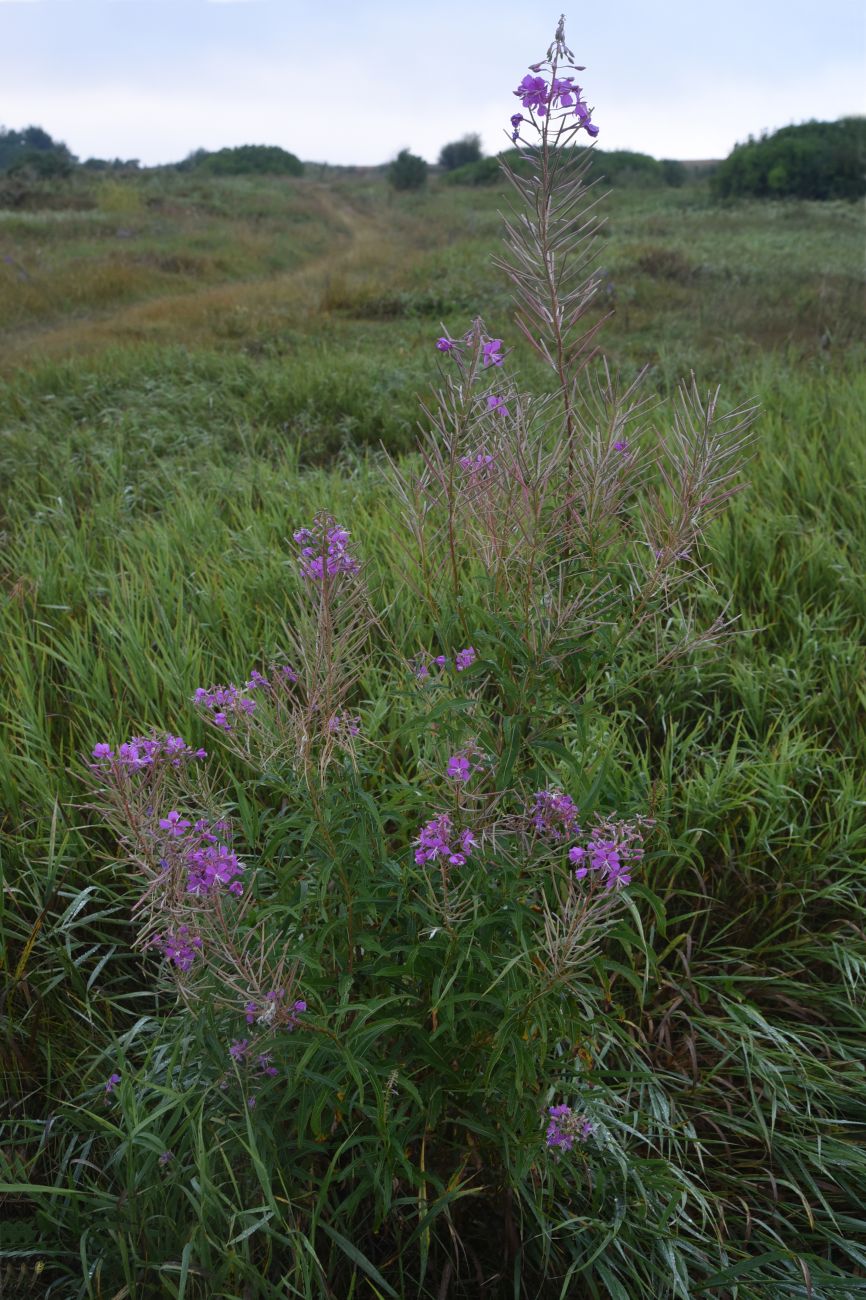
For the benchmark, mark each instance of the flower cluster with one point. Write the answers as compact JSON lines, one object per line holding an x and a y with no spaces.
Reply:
{"x":325,"y":550}
{"x":476,"y":464}
{"x":180,"y":948}
{"x":230,"y":704}
{"x":612,"y":850}
{"x":211,"y":866}
{"x":344,"y":724}
{"x":567,"y":1127}
{"x":555,"y":814}
{"x":196,"y":847}
{"x":462,"y":660}
{"x":439,"y":840}
{"x":275,"y":1011}
{"x":540,"y":97}
{"x":491,"y":349}
{"x":144,"y":752}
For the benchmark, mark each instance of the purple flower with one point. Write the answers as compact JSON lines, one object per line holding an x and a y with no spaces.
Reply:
{"x":516,"y":119}
{"x":533,"y":93}
{"x":344,"y":723}
{"x":440,"y":661}
{"x":238,"y":1049}
{"x":179,"y":948}
{"x":620,"y":446}
{"x":102,"y":752}
{"x":212,"y":865}
{"x":111,"y":1083}
{"x":492,"y":353}
{"x":565,"y":1128}
{"x":445,"y":345}
{"x":465,"y":658}
{"x":555,"y":814}
{"x":475,"y":464}
{"x":166,"y":1157}
{"x":436,"y":840}
{"x":325,"y":550}
{"x":612,"y":851}
{"x":497,"y":404}
{"x":175,"y":824}
{"x":459,"y":768}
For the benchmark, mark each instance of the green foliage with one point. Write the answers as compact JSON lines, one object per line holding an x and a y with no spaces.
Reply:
{"x":407,"y":171}
{"x":149,"y":492}
{"x":249,"y":160}
{"x":816,"y":160}
{"x":34,"y":148}
{"x":673,"y":172}
{"x":621,"y":167}
{"x":460,"y":152}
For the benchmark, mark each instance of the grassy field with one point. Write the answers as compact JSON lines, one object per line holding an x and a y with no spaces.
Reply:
{"x":190,"y":369}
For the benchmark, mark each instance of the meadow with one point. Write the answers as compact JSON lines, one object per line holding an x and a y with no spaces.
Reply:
{"x":190,"y":370}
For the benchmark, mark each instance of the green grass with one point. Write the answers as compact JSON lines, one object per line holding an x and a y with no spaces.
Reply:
{"x":151,"y":487}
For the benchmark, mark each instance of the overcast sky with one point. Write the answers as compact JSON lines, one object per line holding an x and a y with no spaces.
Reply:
{"x":353,"y":81}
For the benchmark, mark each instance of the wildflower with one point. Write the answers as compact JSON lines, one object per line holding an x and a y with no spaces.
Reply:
{"x":251,"y":1102}
{"x":175,"y":824}
{"x":475,"y":464}
{"x":298,"y":1009}
{"x":210,"y":866}
{"x":612,"y":851}
{"x":238,"y":1049}
{"x":440,"y":661}
{"x":555,"y":814}
{"x":102,"y":752}
{"x":264,"y":1061}
{"x":465,"y":658}
{"x":111,"y":1083}
{"x":516,"y":119}
{"x":620,"y":446}
{"x":459,"y":768}
{"x":445,"y":345}
{"x":166,"y":1157}
{"x":492,"y":353}
{"x":178,"y":948}
{"x":497,"y":404}
{"x":436,"y":841}
{"x":566,"y":1128}
{"x":533,"y":93}
{"x":344,"y":723}
{"x":325,"y":550}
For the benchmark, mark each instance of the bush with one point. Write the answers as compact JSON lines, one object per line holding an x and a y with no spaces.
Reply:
{"x":407,"y":171}
{"x":614,"y":167}
{"x":460,"y":152}
{"x":250,"y":160}
{"x":816,"y":160}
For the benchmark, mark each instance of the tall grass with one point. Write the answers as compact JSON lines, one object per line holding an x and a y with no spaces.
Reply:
{"x":718,"y":1040}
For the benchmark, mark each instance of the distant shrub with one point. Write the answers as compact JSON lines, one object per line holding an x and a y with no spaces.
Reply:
{"x":43,"y":163}
{"x":616,"y":167}
{"x":673,"y":172}
{"x":815,"y":160}
{"x":460,"y":152}
{"x":250,"y":160}
{"x":407,"y":171}
{"x":31,"y":148}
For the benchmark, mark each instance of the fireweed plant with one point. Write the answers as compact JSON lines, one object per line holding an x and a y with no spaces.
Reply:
{"x":403,"y":917}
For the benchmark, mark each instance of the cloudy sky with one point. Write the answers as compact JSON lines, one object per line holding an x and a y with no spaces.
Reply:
{"x":353,"y":81}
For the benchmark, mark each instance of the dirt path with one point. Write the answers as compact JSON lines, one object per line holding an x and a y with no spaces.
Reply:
{"x":230,"y":310}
